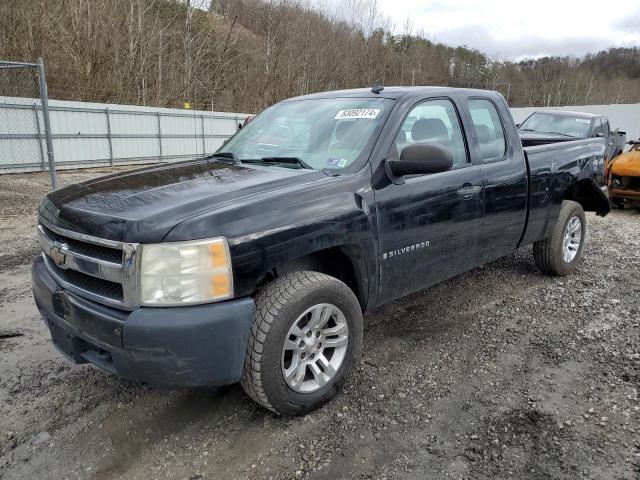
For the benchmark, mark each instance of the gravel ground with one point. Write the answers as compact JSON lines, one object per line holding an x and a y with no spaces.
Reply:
{"x":499,"y":373}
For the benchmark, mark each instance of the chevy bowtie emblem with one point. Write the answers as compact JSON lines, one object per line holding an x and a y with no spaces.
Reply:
{"x":58,"y":253}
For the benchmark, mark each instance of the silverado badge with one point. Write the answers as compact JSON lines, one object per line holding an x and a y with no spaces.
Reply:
{"x":403,"y":250}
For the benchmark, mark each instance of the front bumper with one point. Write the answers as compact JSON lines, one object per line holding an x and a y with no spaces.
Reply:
{"x":201,"y":345}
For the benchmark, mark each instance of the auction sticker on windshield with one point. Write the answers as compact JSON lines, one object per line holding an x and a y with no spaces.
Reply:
{"x":357,"y":113}
{"x":337,"y":162}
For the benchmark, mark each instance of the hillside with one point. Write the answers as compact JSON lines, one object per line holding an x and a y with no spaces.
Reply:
{"x":243,"y":55}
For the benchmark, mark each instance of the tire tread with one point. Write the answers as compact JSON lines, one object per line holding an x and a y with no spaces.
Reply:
{"x":269,"y":302}
{"x":547,"y":253}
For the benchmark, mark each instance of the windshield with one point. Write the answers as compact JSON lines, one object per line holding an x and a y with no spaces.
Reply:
{"x":561,"y":124}
{"x":329,"y":133}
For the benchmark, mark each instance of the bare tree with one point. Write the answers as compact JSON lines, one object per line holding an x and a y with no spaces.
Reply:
{"x":246,"y":54}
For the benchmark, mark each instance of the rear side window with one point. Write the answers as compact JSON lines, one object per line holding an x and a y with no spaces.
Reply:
{"x":488,"y":127}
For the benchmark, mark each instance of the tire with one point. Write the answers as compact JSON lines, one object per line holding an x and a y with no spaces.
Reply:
{"x":549,"y":254}
{"x":280,"y":305}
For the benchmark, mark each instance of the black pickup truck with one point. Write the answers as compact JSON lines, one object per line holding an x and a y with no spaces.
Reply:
{"x":255,"y":265}
{"x":549,"y":126}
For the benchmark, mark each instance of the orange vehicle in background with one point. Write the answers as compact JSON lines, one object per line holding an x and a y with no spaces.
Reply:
{"x":623,"y":177}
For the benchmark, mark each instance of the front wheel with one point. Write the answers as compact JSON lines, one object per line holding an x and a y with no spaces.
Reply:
{"x":561,"y":252}
{"x":306,"y":335}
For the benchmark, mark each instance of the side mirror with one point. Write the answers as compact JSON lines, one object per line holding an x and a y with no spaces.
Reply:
{"x":421,"y":159}
{"x":600,"y":135}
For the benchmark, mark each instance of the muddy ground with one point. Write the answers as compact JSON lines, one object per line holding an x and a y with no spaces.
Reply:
{"x":499,"y":373}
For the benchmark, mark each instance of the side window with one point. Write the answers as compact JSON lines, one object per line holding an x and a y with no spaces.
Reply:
{"x":605,"y":127}
{"x":433,"y":121}
{"x":488,"y":127}
{"x":597,"y":127}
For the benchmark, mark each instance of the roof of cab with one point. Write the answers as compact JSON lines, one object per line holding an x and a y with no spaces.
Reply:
{"x":569,"y":113}
{"x":389,"y":92}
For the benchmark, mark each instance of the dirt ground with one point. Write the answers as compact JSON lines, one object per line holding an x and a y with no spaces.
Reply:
{"x":499,"y":373}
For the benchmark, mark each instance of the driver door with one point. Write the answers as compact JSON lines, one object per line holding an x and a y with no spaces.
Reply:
{"x":429,"y":227}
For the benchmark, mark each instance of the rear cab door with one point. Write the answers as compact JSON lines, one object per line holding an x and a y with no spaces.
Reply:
{"x":496,"y":147}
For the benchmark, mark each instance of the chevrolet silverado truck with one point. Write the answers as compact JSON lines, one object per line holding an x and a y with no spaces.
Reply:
{"x":255,"y":264}
{"x":549,"y":126}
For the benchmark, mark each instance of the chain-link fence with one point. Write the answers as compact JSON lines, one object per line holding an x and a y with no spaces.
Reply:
{"x":25,"y":128}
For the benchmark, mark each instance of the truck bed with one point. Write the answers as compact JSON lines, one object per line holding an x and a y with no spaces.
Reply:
{"x":549,"y":167}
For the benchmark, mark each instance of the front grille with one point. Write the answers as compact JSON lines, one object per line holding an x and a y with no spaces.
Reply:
{"x":88,"y":249}
{"x":97,"y":269}
{"x":98,"y":286}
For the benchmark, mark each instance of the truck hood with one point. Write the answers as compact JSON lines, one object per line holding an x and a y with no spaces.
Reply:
{"x":530,"y":139}
{"x":144,"y":204}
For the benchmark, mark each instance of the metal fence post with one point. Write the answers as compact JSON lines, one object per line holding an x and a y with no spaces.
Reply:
{"x":35,"y":113}
{"x":106,"y":112}
{"x":159,"y":135}
{"x":47,"y":123}
{"x":204,"y":144}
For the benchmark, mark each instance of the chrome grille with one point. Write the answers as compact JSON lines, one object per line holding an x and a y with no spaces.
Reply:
{"x":97,"y":269}
{"x":97,"y":286}
{"x":109,"y":254}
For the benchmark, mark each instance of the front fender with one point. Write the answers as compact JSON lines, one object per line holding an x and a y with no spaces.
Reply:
{"x":256,"y":256}
{"x":280,"y":225}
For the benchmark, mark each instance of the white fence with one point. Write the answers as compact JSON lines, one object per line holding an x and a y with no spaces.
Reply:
{"x":95,"y":134}
{"x":625,"y":117}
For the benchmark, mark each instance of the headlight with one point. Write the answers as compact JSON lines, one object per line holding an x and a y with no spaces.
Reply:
{"x":182,"y":273}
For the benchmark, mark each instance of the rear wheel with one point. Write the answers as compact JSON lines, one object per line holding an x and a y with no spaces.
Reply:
{"x":561,"y":252}
{"x":306,"y":335}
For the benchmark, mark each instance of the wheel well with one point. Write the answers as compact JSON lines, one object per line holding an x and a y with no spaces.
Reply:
{"x":587,"y":194}
{"x":346,"y":263}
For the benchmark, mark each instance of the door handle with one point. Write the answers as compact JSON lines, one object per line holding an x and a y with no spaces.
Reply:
{"x":467,"y":193}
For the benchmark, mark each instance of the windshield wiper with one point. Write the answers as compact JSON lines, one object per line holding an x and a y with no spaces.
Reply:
{"x":550,"y":133}
{"x":560,"y":133}
{"x":280,"y":160}
{"x":225,"y":156}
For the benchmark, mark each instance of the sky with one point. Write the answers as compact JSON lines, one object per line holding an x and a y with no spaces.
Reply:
{"x":514,"y":30}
